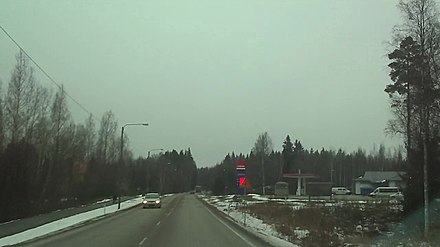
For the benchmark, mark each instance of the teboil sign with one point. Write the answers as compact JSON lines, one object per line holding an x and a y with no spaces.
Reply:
{"x":242,"y":182}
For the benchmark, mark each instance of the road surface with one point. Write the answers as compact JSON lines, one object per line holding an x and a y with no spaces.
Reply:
{"x":182,"y":221}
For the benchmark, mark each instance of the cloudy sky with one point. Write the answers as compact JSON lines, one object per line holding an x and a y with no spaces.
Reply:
{"x":213,"y":75}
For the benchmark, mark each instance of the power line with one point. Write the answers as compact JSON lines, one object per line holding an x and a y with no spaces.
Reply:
{"x":46,"y":74}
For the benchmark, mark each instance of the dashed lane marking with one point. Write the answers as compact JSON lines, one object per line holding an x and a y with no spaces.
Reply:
{"x":143,"y":240}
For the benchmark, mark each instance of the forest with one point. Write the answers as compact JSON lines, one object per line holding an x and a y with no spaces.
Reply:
{"x":334,"y":166}
{"x":49,"y":162}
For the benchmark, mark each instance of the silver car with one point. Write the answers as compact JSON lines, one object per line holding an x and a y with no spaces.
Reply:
{"x":152,"y":200}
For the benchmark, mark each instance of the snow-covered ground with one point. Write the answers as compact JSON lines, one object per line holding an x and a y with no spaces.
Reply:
{"x":67,"y":222}
{"x":102,"y":201}
{"x":228,"y":204}
{"x":255,"y":225}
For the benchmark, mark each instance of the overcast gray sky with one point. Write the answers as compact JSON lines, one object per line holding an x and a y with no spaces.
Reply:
{"x":213,"y":75}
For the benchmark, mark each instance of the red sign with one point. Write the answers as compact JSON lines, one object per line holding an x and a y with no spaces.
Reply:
{"x":244,"y":183}
{"x":241,"y":163}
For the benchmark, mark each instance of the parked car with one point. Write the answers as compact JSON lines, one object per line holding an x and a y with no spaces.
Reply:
{"x":340,"y":191}
{"x":387,"y":192}
{"x":397,"y":196}
{"x":152,"y":200}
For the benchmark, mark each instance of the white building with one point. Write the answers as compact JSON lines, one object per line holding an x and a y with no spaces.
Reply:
{"x":373,"y":179}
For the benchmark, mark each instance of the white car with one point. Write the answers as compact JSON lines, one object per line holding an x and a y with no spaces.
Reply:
{"x":397,"y":196}
{"x":387,"y":192}
{"x":340,"y":191}
{"x":152,"y":200}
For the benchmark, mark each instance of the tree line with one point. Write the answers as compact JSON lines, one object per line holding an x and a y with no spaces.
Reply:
{"x":265,"y":166}
{"x":47,"y":161}
{"x":169,"y":172}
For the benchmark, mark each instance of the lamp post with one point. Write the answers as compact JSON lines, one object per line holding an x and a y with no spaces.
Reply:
{"x":157,"y":149}
{"x":121,"y":155}
{"x":226,"y":180}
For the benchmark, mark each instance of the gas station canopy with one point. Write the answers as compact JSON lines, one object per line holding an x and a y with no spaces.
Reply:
{"x":300,"y":175}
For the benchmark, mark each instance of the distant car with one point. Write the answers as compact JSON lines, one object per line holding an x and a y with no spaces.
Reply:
{"x":397,"y":196}
{"x":198,"y":189}
{"x":387,"y":192}
{"x":340,"y":191}
{"x":152,"y":200}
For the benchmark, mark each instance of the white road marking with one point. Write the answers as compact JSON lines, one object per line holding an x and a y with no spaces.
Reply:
{"x":143,"y":240}
{"x":170,"y":212}
{"x":238,"y":234}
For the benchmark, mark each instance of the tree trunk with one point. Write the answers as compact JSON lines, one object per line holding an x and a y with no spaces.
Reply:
{"x":425,"y":174}
{"x":408,"y":122}
{"x":262,"y":167}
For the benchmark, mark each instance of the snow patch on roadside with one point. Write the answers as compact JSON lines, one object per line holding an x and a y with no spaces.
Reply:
{"x":253,"y":224}
{"x":260,"y":198}
{"x":66,"y":222}
{"x":301,"y":233}
{"x":102,"y":201}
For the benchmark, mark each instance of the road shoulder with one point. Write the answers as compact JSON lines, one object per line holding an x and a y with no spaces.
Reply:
{"x":238,"y":227}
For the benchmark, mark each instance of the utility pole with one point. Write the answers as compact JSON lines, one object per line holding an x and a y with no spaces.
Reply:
{"x":331,"y":172}
{"x":121,"y":156}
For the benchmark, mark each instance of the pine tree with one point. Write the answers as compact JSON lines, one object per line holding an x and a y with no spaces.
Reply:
{"x":287,"y":155}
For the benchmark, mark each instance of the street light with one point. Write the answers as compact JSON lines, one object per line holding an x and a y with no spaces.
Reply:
{"x":226,"y":180}
{"x":122,"y":136}
{"x":157,"y":149}
{"x":122,"y":149}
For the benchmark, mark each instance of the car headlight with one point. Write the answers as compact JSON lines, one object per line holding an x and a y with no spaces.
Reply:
{"x":145,"y":202}
{"x":157,"y":201}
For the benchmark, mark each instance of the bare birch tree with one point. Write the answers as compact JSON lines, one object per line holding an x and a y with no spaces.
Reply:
{"x":262,"y":148}
{"x":106,"y":147}
{"x":18,"y":98}
{"x":60,"y":120}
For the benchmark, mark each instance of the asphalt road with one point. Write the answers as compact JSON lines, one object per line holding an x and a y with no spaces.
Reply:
{"x":13,"y":227}
{"x":182,"y":221}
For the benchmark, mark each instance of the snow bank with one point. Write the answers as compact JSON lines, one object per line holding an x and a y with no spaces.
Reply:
{"x":267,"y":232}
{"x":104,"y":200}
{"x":66,"y":222}
{"x":301,"y":233}
{"x":260,"y":198}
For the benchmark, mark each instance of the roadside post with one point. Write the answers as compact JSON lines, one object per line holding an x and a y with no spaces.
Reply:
{"x":245,"y":185}
{"x":244,"y":212}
